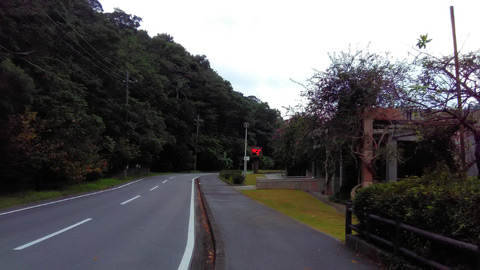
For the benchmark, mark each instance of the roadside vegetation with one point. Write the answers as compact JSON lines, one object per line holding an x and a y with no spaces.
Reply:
{"x":303,"y":207}
{"x":251,"y":179}
{"x":439,"y":202}
{"x":232,"y":177}
{"x":30,"y":196}
{"x":65,"y":114}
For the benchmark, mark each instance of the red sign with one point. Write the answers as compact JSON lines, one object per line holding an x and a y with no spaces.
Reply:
{"x":256,"y":151}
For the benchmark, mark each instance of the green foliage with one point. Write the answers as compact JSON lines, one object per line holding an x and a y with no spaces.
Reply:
{"x":16,"y":89}
{"x":227,"y":162}
{"x":293,"y":144}
{"x":267,"y":163}
{"x":232,"y":176}
{"x":72,"y":57}
{"x":422,"y":41}
{"x":439,"y":202}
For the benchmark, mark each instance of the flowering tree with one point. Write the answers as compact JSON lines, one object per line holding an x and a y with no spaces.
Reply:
{"x":339,"y":96}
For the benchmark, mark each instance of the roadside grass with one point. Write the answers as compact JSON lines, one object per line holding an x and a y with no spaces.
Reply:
{"x":30,"y":196}
{"x":303,"y":207}
{"x":270,"y":171}
{"x":251,"y":179}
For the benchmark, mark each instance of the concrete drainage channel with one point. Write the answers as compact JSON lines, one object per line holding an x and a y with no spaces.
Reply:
{"x":209,"y":246}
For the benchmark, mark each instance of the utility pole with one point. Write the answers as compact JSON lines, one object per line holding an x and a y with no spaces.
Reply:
{"x":127,"y":81}
{"x":459,"y":93}
{"x":245,"y":125}
{"x":125,"y":173}
{"x":126,"y":97}
{"x":197,"y":121}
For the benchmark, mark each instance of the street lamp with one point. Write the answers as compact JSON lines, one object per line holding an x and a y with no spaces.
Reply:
{"x":245,"y":125}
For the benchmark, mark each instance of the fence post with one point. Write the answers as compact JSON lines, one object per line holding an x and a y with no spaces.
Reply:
{"x":348,"y":219}
{"x":478,"y":254}
{"x":398,"y":236}
{"x":369,"y":226}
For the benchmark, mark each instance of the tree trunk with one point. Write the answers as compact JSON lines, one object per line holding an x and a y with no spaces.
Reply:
{"x":476,"y":136}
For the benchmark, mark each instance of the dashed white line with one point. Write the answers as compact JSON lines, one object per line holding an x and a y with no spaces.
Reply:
{"x":72,"y":198}
{"x":187,"y":255}
{"x":171,"y":177}
{"x":153,"y":188}
{"x":52,"y":235}
{"x":164,"y":181}
{"x":127,"y":201}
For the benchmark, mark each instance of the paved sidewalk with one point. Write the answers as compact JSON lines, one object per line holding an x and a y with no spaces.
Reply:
{"x":257,"y":237}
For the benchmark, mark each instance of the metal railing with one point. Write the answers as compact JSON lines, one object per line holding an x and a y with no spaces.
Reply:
{"x":396,"y":243}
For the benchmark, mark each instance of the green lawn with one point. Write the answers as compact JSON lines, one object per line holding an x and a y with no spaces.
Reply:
{"x":304,"y":208}
{"x":251,"y":179}
{"x":9,"y":200}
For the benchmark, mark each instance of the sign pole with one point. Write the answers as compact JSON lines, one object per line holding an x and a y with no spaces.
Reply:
{"x":245,"y":125}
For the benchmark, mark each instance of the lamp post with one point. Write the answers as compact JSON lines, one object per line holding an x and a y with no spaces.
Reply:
{"x":245,"y":125}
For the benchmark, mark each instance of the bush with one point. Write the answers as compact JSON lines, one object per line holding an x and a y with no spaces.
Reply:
{"x":439,"y":202}
{"x":232,"y":177}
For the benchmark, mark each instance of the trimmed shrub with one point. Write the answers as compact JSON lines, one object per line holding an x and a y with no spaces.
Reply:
{"x":439,"y":202}
{"x":232,"y":176}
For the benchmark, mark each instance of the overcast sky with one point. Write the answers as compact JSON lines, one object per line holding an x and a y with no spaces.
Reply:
{"x":260,"y":45}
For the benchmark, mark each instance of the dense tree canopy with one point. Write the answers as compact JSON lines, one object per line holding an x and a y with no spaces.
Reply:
{"x":66,"y":115}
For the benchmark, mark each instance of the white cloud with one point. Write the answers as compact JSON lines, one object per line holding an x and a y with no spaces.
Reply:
{"x":259,"y":45}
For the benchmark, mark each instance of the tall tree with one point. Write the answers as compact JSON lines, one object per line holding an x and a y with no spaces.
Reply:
{"x":339,"y":97}
{"x":435,"y":94}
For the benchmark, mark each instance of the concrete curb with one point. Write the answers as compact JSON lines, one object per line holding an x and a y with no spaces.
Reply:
{"x":217,"y":238}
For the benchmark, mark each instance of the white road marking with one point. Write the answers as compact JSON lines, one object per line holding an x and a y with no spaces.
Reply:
{"x":72,"y":198}
{"x":52,"y":235}
{"x":153,"y":188}
{"x":127,"y":201}
{"x":164,"y":181}
{"x":171,"y":177}
{"x":187,"y":255}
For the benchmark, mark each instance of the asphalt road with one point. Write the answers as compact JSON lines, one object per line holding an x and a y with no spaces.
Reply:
{"x":143,"y":225}
{"x":257,"y":237}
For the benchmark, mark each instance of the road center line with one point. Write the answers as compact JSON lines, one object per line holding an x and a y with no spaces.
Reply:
{"x":52,"y":235}
{"x":164,"y":181}
{"x":72,"y":198}
{"x":127,"y":201}
{"x":187,"y":255}
{"x":153,"y":188}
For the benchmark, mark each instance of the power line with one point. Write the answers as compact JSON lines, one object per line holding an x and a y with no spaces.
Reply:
{"x":73,"y":28}
{"x":69,"y":45}
{"x":48,"y":72}
{"x":105,"y":68}
{"x":59,"y":27}
{"x":153,"y":102}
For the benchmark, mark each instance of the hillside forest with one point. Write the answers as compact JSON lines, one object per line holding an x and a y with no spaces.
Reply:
{"x":85,"y":93}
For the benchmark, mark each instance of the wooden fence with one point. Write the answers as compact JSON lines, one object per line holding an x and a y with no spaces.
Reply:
{"x":396,"y":245}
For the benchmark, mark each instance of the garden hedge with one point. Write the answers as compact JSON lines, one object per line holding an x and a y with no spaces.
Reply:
{"x":440,"y":202}
{"x":232,"y":176}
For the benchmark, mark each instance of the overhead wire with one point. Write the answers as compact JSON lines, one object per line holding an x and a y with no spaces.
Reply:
{"x":109,"y":71}
{"x":117,"y":73}
{"x":152,"y":101}
{"x":48,"y":72}
{"x":80,"y":35}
